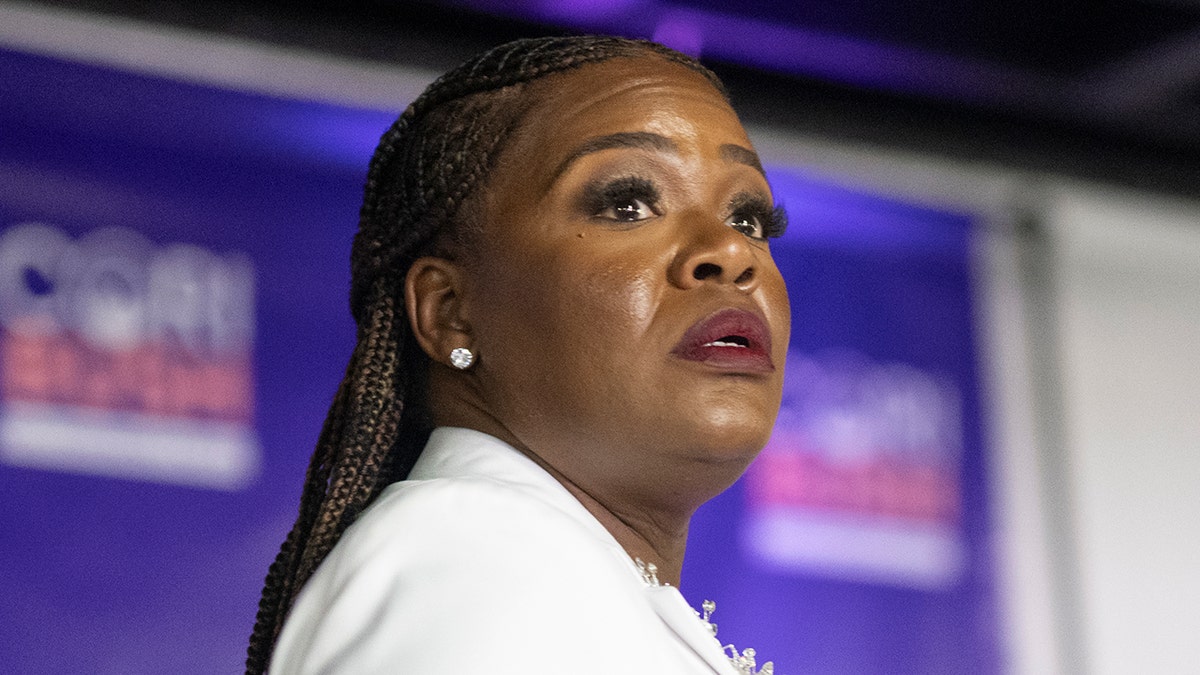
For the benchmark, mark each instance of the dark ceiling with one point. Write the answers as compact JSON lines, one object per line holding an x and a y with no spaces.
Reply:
{"x":1107,"y":90}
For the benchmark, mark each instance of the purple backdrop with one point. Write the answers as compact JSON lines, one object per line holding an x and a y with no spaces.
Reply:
{"x":859,"y":541}
{"x":206,"y":233}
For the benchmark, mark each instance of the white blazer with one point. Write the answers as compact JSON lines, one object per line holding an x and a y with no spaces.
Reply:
{"x":482,"y":563}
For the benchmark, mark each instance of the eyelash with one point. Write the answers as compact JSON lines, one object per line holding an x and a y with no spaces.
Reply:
{"x":616,"y":196}
{"x":771,"y":220}
{"x":622,"y":192}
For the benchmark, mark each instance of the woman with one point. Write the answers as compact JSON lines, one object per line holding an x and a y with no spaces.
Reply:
{"x":571,"y":335}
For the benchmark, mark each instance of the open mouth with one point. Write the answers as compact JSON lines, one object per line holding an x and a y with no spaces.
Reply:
{"x":730,"y":341}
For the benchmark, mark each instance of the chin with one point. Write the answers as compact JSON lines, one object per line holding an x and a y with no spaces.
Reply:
{"x":705,"y":456}
{"x":736,"y":421}
{"x":726,"y":458}
{"x":735,"y":437}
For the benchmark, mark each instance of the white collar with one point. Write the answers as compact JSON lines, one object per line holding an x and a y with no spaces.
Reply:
{"x":466,"y":453}
{"x":457,"y":452}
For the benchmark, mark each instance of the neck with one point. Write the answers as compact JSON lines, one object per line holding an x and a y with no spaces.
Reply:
{"x":656,"y":536}
{"x":654,"y":531}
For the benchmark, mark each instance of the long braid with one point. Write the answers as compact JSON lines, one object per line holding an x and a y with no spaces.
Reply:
{"x":427,"y":166}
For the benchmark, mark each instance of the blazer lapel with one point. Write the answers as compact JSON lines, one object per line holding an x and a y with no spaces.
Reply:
{"x":673,"y":609}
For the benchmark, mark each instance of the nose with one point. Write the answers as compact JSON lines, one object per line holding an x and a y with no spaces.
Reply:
{"x":714,"y":252}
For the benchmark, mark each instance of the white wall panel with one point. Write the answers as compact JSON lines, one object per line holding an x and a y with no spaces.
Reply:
{"x":1128,"y":286}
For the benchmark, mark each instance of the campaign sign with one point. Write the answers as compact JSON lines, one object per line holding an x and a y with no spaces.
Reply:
{"x":862,"y":476}
{"x":173,"y":325}
{"x":119,"y":357}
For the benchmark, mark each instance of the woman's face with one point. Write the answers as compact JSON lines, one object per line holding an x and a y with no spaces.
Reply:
{"x":630,"y":322}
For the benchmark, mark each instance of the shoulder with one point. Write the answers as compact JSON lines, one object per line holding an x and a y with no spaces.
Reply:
{"x":465,"y":575}
{"x":466,"y":522}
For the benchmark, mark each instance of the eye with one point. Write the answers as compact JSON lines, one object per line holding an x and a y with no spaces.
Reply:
{"x":747,"y":224}
{"x":629,"y":211}
{"x":754,"y":216}
{"x":626,"y":200}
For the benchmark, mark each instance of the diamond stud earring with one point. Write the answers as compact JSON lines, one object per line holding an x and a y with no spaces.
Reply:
{"x":461,"y":358}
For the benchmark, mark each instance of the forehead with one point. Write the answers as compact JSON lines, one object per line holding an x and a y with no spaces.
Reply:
{"x":639,"y":94}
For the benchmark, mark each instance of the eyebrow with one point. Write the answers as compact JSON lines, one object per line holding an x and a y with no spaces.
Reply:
{"x":640,"y":140}
{"x":644,"y":140}
{"x":740,"y":155}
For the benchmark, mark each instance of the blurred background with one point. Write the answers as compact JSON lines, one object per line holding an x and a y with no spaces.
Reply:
{"x":987,"y":455}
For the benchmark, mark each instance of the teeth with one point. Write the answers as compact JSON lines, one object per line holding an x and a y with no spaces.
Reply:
{"x":720,"y":343}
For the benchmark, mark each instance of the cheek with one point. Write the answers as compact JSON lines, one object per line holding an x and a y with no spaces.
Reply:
{"x":572,"y":297}
{"x":619,"y":299}
{"x":777,"y":308}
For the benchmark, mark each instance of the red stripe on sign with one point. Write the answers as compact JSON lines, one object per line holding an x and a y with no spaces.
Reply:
{"x":151,"y":378}
{"x":877,"y":487}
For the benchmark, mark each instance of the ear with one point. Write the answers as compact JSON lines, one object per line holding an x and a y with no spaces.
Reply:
{"x":433,"y":296}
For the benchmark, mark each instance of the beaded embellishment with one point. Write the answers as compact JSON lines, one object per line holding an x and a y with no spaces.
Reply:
{"x":743,"y":662}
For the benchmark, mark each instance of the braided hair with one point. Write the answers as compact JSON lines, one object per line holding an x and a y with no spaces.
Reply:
{"x":424,"y":173}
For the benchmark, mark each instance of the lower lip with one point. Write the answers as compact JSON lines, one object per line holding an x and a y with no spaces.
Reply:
{"x":737,"y":359}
